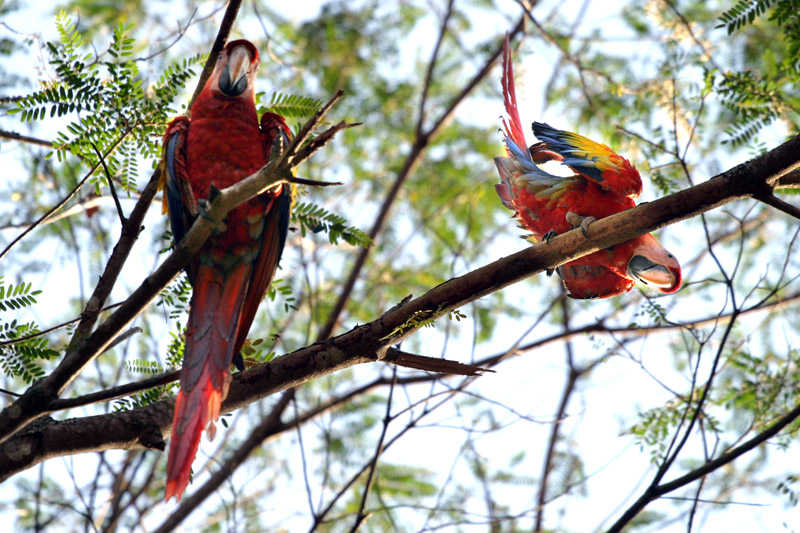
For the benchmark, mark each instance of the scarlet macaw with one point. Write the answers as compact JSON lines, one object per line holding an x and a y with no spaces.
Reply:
{"x":220,"y":145}
{"x":603,"y":183}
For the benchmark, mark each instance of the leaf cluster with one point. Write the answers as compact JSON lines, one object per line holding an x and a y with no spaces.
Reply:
{"x":114,"y":117}
{"x":21,"y":346}
{"x":291,"y":105}
{"x":758,"y":98}
{"x":315,"y":219}
{"x":22,"y":349}
{"x":743,"y":13}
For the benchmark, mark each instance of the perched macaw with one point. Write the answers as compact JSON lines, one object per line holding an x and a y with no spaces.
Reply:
{"x":220,"y":145}
{"x":603,"y":183}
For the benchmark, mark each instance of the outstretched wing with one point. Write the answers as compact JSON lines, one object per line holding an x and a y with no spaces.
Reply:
{"x":593,"y":161}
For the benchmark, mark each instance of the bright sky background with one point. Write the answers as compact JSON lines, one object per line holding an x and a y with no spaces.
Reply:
{"x":605,"y":408}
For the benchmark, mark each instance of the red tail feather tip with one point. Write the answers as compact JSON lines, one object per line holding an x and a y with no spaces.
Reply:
{"x":514,"y":125}
{"x":204,"y":411}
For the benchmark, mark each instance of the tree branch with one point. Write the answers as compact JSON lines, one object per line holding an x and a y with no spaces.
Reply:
{"x":423,"y":139}
{"x":657,"y":491}
{"x":14,"y":136}
{"x":38,"y":399}
{"x":219,"y":43}
{"x":148,"y":426}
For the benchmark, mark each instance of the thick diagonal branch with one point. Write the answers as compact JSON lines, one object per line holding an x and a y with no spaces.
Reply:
{"x":421,"y":142}
{"x":36,"y":401}
{"x":148,"y":426}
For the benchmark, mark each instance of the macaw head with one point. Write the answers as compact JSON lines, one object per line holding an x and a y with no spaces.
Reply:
{"x":653,"y":265}
{"x":235,"y":72}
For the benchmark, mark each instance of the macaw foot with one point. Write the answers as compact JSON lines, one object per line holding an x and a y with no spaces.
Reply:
{"x":203,"y":206}
{"x":579,"y":221}
{"x":279,"y":144}
{"x":549,"y":236}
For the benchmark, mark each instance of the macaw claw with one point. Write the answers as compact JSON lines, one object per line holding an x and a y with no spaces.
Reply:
{"x":547,"y":237}
{"x":279,"y":145}
{"x":204,"y":205}
{"x":579,"y":221}
{"x":213,"y":192}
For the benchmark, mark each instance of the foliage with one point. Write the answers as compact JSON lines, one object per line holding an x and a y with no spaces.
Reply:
{"x":744,"y":13}
{"x":759,"y":98}
{"x":20,"y":349}
{"x":118,"y":119}
{"x":292,"y":105}
{"x":13,"y":298}
{"x":577,"y":382}
{"x":316,"y":218}
{"x":176,"y":297}
{"x":21,"y":345}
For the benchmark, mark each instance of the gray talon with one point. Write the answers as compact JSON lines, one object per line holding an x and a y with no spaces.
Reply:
{"x":579,"y":221}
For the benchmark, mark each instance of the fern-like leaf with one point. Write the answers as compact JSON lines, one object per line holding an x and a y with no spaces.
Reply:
{"x":743,"y":14}
{"x":292,"y":105}
{"x":315,"y":219}
{"x":13,"y":297}
{"x":22,"y":349}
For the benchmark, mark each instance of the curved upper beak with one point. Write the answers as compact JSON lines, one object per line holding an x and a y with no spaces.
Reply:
{"x":651,"y":273}
{"x":233,"y":80}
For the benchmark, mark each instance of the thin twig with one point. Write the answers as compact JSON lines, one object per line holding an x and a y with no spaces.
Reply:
{"x":426,"y":86}
{"x":658,"y":491}
{"x":60,"y":204}
{"x":117,"y":392}
{"x":14,"y":136}
{"x":268,"y":426}
{"x":110,"y":180}
{"x":373,"y":467}
{"x":219,"y":43}
{"x":409,"y":165}
{"x":573,"y":374}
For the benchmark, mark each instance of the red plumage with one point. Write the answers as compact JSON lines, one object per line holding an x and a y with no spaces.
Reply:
{"x":220,"y":145}
{"x":603,"y":183}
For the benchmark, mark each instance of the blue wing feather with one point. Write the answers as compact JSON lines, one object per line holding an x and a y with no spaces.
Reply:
{"x":178,"y":219}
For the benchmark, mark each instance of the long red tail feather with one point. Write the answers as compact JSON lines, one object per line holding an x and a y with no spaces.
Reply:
{"x":216,"y":309}
{"x":513,"y":126}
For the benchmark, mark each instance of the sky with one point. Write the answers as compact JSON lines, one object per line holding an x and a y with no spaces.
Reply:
{"x":603,"y":408}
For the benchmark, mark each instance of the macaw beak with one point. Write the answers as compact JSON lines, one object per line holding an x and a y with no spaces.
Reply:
{"x":233,"y":79}
{"x":651,"y":273}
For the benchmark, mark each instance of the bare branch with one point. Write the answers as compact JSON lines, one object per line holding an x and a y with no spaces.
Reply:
{"x":268,"y":426}
{"x":368,"y":342}
{"x":780,"y":205}
{"x":14,"y":136}
{"x":60,"y":204}
{"x":655,"y":492}
{"x":423,"y":138}
{"x":431,"y":364}
{"x":219,"y":43}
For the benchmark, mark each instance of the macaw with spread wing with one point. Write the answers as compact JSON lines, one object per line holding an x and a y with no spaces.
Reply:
{"x":221,"y":144}
{"x":603,"y":183}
